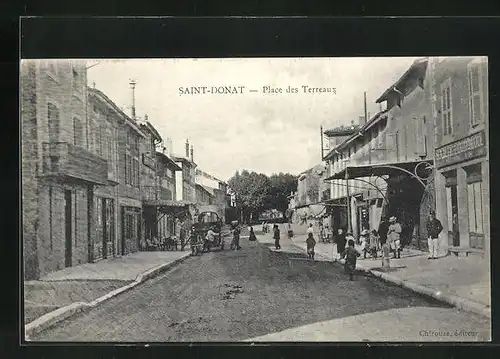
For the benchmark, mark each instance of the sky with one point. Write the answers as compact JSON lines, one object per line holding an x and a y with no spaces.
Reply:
{"x":263,"y":132}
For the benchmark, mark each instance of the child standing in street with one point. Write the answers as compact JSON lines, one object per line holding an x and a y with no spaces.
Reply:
{"x":276,"y":236}
{"x":310,"y":242}
{"x":351,"y":256}
{"x":363,"y":239}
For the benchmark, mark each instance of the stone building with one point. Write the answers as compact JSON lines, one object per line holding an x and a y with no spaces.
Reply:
{"x":383,"y":169}
{"x":59,"y":170}
{"x":461,"y":136}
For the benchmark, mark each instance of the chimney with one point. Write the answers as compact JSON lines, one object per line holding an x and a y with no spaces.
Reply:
{"x":192,"y":157}
{"x":145,"y":117}
{"x":187,"y":148}
{"x":132,"y":84}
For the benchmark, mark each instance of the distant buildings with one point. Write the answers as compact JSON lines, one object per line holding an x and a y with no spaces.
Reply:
{"x":94,"y":185}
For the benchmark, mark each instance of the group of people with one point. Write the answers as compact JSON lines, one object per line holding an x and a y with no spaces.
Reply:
{"x":371,"y":242}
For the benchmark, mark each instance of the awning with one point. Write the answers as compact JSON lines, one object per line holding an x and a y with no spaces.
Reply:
{"x":382,"y":169}
{"x":167,"y":203}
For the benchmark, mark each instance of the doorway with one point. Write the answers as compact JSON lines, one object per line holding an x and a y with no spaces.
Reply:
{"x":452,"y":204}
{"x":68,"y":215}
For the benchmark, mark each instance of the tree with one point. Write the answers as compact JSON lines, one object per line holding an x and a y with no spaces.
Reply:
{"x":282,"y":185}
{"x":251,"y":190}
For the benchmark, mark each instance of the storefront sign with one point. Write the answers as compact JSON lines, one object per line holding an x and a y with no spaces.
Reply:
{"x":148,"y":161}
{"x":462,"y":150}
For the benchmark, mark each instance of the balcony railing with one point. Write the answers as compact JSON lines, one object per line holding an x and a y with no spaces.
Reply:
{"x":65,"y":160}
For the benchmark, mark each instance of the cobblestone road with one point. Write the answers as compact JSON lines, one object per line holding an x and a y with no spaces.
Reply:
{"x":233,"y":296}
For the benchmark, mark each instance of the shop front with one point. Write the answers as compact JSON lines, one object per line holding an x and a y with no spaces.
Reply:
{"x":462,"y":192}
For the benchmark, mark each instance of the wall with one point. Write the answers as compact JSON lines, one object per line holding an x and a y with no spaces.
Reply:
{"x":29,"y":163}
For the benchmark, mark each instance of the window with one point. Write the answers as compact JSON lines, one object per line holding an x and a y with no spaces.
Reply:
{"x":77,"y":132}
{"x":475,"y":93}
{"x":76,"y":81}
{"x":136,"y":172}
{"x":128,"y":169}
{"x":53,"y":122}
{"x":446,"y":113}
{"x":97,"y":141}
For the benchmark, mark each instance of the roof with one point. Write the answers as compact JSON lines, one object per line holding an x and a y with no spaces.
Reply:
{"x":360,"y":132}
{"x":167,"y":203}
{"x":203,"y":188}
{"x":171,"y":164}
{"x":151,"y":129}
{"x":184,"y":160}
{"x":416,"y":67}
{"x":379,"y":169}
{"x":106,"y":99}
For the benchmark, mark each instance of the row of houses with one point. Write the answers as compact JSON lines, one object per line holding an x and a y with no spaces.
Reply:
{"x":96,"y":182}
{"x":427,"y":150}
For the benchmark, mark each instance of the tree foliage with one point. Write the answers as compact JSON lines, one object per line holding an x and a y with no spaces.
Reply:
{"x":256,"y":192}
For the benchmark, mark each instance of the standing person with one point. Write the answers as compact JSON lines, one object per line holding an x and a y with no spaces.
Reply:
{"x":340,"y":241}
{"x":276,"y":236}
{"x":236,"y":237}
{"x":374,"y":243}
{"x":310,"y":242}
{"x":182,"y":235}
{"x":383,"y":228}
{"x":364,"y":240}
{"x":394,"y":236}
{"x":290,"y":230}
{"x":252,"y":235}
{"x":434,"y":228}
{"x":351,"y":255}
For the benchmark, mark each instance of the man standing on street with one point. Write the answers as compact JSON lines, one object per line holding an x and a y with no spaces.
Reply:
{"x":394,"y":236}
{"x":434,"y":228}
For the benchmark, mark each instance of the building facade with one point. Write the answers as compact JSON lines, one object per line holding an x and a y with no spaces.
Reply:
{"x":166,"y":169}
{"x":384,"y":168}
{"x":59,"y":170}
{"x":204,"y":195}
{"x":129,"y":189}
{"x":186,"y":178}
{"x":460,"y":114}
{"x":104,"y":122}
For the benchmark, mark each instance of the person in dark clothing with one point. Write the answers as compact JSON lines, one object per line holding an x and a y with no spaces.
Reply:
{"x":310,"y":242}
{"x":351,"y":255}
{"x":434,"y":228}
{"x":383,"y":229}
{"x":340,"y":241}
{"x":252,"y":235}
{"x":276,"y":236}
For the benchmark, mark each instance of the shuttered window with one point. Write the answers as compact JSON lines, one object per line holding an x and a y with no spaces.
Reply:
{"x":446,"y":111}
{"x":475,"y":93}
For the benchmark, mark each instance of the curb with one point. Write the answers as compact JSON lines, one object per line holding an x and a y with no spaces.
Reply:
{"x":453,"y":300}
{"x":50,"y":319}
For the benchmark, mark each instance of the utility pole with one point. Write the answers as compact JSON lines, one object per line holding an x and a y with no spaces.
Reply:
{"x":369,"y":143}
{"x":349,"y":229}
{"x":321,"y":135}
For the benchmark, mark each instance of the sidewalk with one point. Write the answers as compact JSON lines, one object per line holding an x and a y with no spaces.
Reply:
{"x":60,"y":294}
{"x":461,"y":281}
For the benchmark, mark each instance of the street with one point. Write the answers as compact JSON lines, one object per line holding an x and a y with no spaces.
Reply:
{"x":239,"y":295}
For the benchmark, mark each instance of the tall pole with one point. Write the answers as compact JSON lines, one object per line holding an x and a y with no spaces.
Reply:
{"x":369,"y":143}
{"x":366,"y":113}
{"x":321,"y":134}
{"x":349,"y":229}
